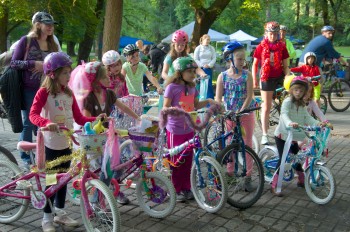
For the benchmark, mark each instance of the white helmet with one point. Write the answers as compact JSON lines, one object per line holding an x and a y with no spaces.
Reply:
{"x":309,"y":54}
{"x":110,"y":57}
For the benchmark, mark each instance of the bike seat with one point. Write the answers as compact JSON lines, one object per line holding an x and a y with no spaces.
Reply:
{"x":25,"y":146}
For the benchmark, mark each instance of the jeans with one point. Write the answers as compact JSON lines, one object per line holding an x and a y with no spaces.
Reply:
{"x":27,"y":133}
{"x":209,"y":72}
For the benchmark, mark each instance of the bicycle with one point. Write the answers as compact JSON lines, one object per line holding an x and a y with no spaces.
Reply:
{"x":4,"y":153}
{"x":247,"y":167}
{"x":208,"y":182}
{"x":319,"y":182}
{"x":18,"y":190}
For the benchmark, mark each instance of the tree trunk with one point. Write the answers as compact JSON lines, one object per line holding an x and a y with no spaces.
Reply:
{"x":112,"y":25}
{"x":268,"y":11}
{"x":335,"y":5}
{"x":70,"y":48}
{"x":3,"y":30}
{"x":86,"y":44}
{"x":325,"y":15}
{"x":307,"y":9}
{"x":298,"y":12}
{"x":205,"y":18}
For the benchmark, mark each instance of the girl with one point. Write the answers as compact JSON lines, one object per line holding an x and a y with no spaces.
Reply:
{"x":273,"y":56}
{"x":205,"y":56}
{"x":113,"y":63}
{"x":29,"y":58}
{"x":54,"y":104}
{"x":134,"y":70}
{"x":312,"y":107}
{"x":293,"y":114}
{"x":181,"y":92}
{"x":236,"y":85}
{"x":99,"y":99}
{"x":178,"y":49}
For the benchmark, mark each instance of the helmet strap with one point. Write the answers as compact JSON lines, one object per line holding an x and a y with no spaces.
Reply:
{"x":186,"y":83}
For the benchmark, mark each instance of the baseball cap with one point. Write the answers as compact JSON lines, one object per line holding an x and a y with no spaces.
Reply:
{"x":43,"y":17}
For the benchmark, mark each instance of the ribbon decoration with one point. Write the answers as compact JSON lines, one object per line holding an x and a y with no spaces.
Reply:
{"x":283,"y":161}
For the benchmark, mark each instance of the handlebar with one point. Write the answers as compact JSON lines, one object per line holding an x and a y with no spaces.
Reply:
{"x":64,"y":128}
{"x":241,"y":113}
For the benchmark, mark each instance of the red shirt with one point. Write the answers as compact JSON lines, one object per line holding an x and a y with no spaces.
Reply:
{"x":307,"y":70}
{"x":274,"y":73}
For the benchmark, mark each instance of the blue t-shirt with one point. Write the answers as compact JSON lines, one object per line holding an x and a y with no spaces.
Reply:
{"x":322,"y":47}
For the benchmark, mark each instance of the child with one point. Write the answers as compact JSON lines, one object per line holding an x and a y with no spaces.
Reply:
{"x":310,"y":69}
{"x":54,"y":104}
{"x":113,"y":63}
{"x":178,"y":49}
{"x":236,"y":85}
{"x":181,"y":92}
{"x":134,"y":70}
{"x":100,"y":99}
{"x":311,"y":106}
{"x":293,"y":114}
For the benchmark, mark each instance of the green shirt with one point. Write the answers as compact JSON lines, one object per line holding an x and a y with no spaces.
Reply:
{"x":290,"y":49}
{"x":134,"y":80}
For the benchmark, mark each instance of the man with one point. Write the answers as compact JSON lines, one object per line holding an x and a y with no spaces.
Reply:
{"x":322,"y":46}
{"x":289,"y":45}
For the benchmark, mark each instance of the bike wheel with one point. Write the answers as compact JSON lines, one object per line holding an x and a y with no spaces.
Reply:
{"x":11,"y":208}
{"x":339,"y":95}
{"x":322,"y":190}
{"x":4,"y":153}
{"x":324,"y":104}
{"x":245,"y":182}
{"x":208,"y":183}
{"x":160,"y":199}
{"x":105,"y":215}
{"x":267,"y":157}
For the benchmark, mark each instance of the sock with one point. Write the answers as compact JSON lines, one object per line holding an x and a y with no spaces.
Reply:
{"x":47,"y":217}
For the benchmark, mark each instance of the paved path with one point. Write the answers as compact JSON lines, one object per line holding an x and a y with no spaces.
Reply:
{"x":293,"y":212}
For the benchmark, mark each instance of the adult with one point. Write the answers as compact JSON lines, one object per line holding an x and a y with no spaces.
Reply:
{"x":31,"y":62}
{"x":205,"y":57}
{"x":322,"y":46}
{"x":289,"y":45}
{"x":139,"y":45}
{"x":157,"y":54}
{"x":272,"y":55}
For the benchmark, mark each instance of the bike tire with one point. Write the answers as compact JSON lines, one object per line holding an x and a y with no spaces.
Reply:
{"x":324,"y":104}
{"x":238,"y":194}
{"x":105,"y":215}
{"x":212,"y":194}
{"x":324,"y":173}
{"x":339,"y":95}
{"x":8,"y":155}
{"x":162,"y":190}
{"x":12,"y":209}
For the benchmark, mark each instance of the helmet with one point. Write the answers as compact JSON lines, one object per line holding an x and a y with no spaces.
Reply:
{"x":43,"y":17}
{"x":272,"y":26}
{"x":287,"y":81}
{"x":90,"y":70}
{"x":300,"y":81}
{"x":327,"y":28}
{"x":283,"y":28}
{"x":110,"y":57}
{"x":54,"y":61}
{"x":130,"y":49}
{"x":229,"y":48}
{"x":308,"y":54}
{"x":183,"y":63}
{"x":179,"y":36}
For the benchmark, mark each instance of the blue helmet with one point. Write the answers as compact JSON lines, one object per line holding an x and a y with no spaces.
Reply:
{"x":327,"y":28}
{"x":229,"y":48}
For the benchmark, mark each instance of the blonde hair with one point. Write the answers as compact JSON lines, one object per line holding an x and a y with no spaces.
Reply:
{"x":173,"y":54}
{"x":205,"y":36}
{"x":35,"y":32}
{"x":297,"y":102}
{"x":177,"y":79}
{"x":52,"y":86}
{"x":311,"y":88}
{"x":101,"y":73}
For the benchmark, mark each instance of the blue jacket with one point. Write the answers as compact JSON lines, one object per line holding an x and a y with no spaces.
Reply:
{"x":322,"y":47}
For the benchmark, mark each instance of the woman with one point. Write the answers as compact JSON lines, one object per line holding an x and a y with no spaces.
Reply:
{"x":273,"y":57}
{"x":41,"y":44}
{"x":205,"y":57}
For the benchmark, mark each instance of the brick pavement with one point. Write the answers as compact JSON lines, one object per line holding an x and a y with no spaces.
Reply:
{"x":293,"y":212}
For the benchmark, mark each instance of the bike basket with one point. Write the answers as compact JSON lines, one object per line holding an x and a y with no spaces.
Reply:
{"x":142,"y":141}
{"x":92,"y":144}
{"x":341,"y":74}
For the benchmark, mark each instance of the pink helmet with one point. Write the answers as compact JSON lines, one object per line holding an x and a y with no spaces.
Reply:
{"x":300,"y":80}
{"x":54,"y":61}
{"x":179,"y":36}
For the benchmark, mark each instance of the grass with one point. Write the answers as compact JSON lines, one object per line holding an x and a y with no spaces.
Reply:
{"x":344,"y":51}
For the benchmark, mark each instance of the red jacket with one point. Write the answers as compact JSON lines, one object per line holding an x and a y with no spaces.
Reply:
{"x":307,"y":70}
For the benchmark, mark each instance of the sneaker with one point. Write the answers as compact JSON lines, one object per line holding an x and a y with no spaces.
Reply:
{"x":26,"y":165}
{"x":122,"y":199}
{"x":188,"y":194}
{"x":275,"y":193}
{"x":264,"y":140}
{"x":65,"y":220}
{"x":248,"y":186}
{"x":180,"y":197}
{"x":48,"y":226}
{"x":300,"y":185}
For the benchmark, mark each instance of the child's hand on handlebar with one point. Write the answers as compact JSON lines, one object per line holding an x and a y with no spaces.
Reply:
{"x":294,"y":125}
{"x":102,"y":117}
{"x":160,"y":90}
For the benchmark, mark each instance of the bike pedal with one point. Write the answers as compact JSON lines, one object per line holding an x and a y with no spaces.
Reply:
{"x":24,"y":184}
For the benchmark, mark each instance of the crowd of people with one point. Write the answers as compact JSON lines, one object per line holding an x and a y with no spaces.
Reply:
{"x":55,"y":94}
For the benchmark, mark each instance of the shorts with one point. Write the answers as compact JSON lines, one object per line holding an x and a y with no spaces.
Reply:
{"x":271,"y":84}
{"x":317,"y":92}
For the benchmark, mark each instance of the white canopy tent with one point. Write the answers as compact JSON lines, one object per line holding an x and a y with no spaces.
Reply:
{"x":242,"y":37}
{"x":214,"y":35}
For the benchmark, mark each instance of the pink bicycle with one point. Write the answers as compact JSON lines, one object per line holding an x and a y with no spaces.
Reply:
{"x":97,"y":204}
